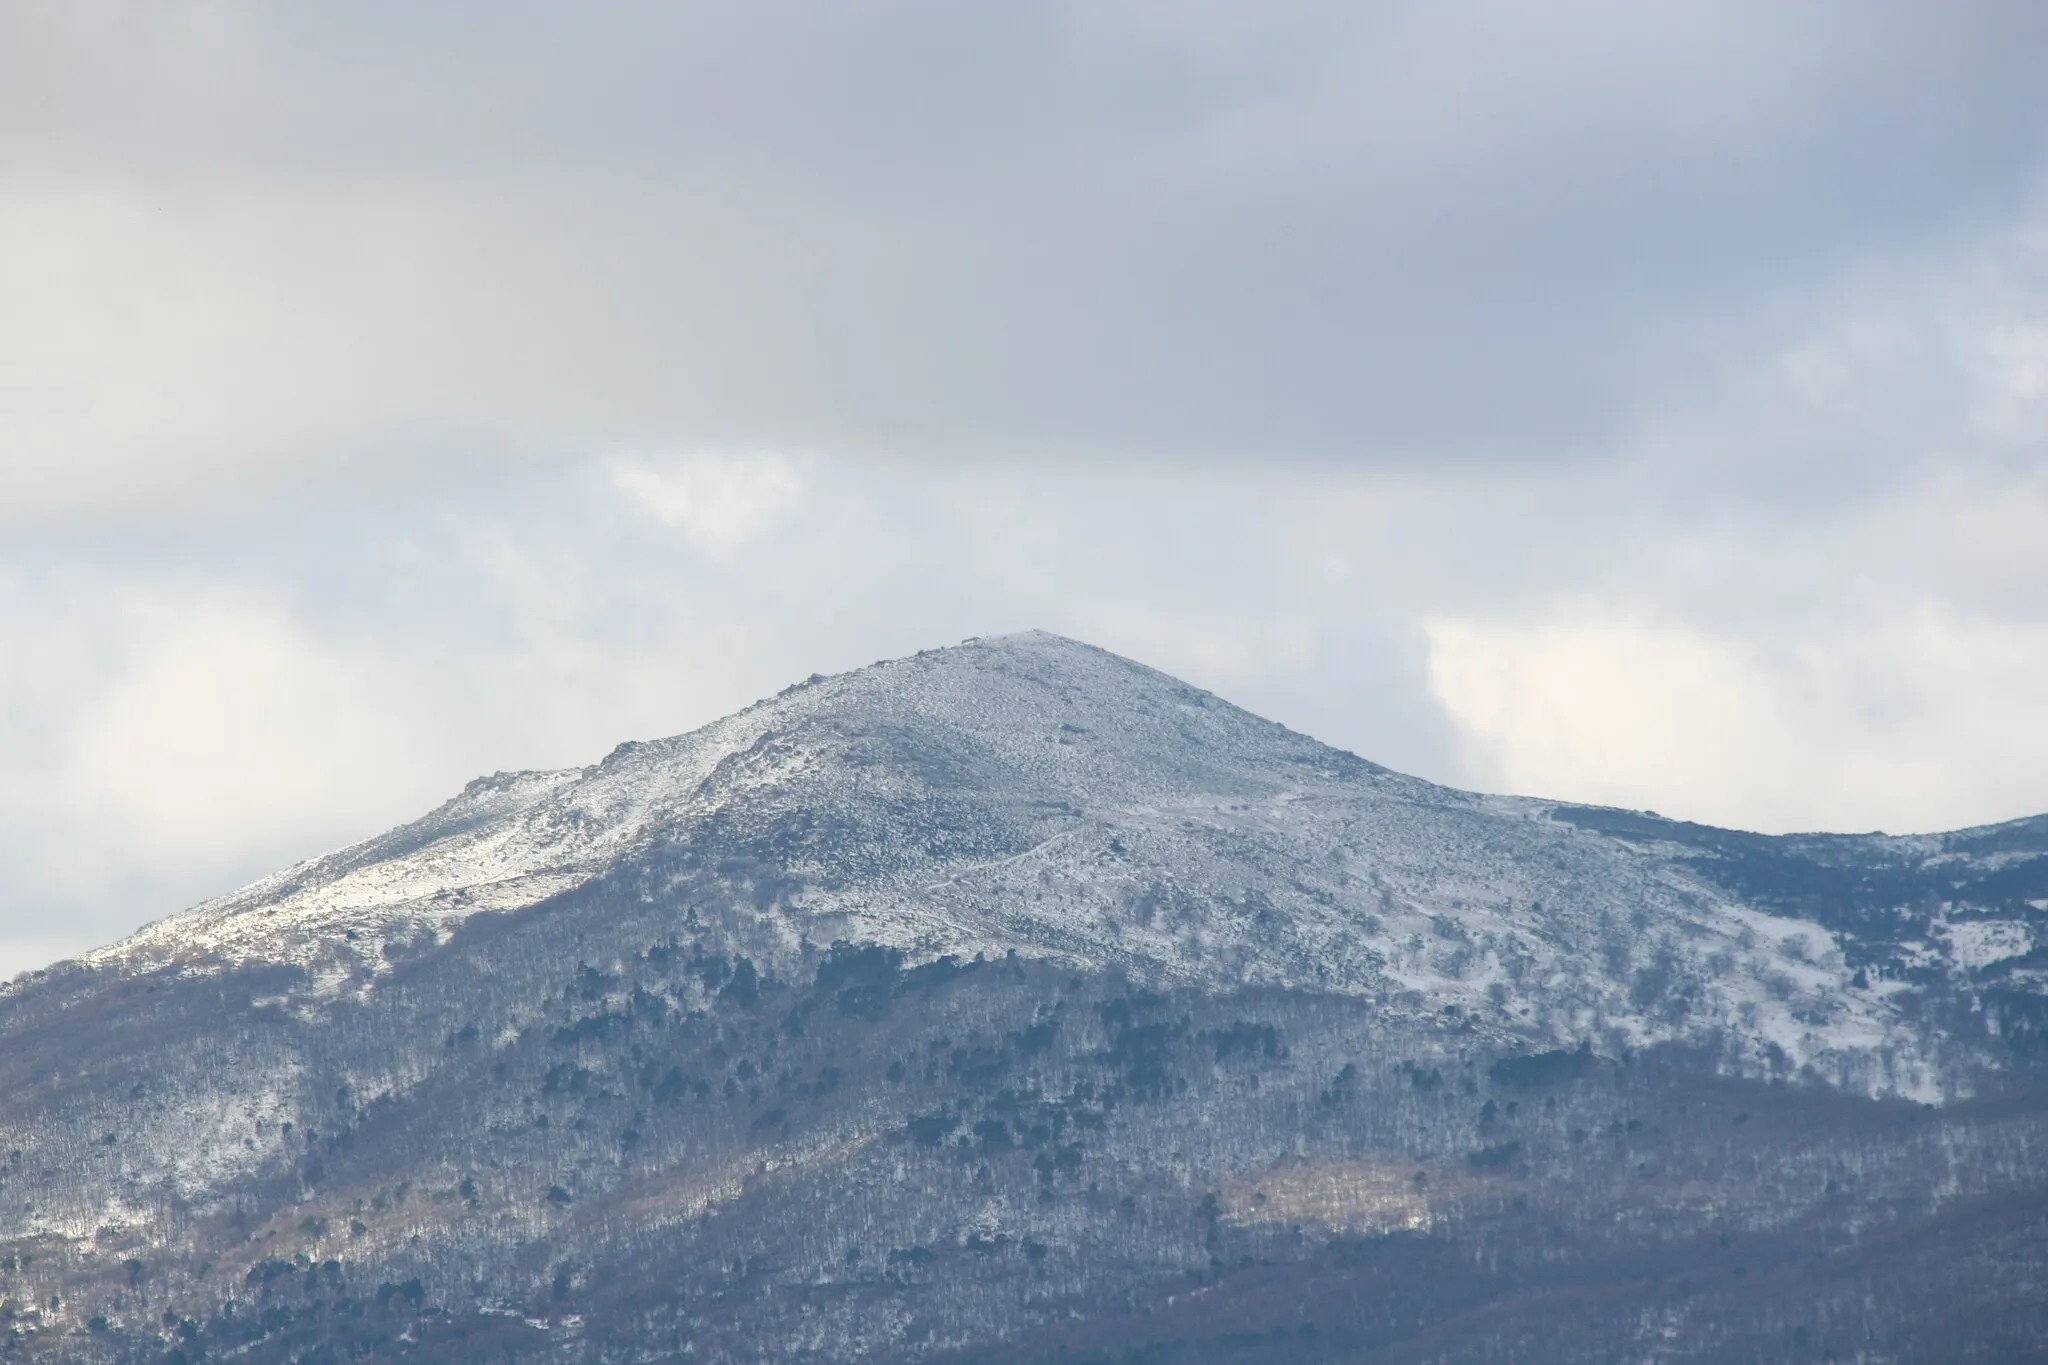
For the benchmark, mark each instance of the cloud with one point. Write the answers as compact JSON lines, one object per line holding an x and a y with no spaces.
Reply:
{"x":196,"y":725}
{"x":1628,"y":405}
{"x":1919,"y":724}
{"x":718,"y":502}
{"x":169,"y":735}
{"x":230,"y":725}
{"x":246,"y":245}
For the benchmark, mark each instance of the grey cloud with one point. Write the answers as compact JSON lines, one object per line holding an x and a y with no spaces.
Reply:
{"x":1500,"y":391}
{"x":1391,"y":233}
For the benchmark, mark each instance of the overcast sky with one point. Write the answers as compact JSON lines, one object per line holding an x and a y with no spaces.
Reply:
{"x":1642,"y":404}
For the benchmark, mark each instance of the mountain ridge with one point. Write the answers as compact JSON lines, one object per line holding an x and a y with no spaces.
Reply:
{"x":515,"y":840}
{"x":1014,"y":999}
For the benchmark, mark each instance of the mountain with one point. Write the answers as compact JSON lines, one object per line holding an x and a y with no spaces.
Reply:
{"x":1016,"y":1002}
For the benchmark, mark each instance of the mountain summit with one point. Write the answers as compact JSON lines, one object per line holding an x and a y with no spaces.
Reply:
{"x":1035,"y":795}
{"x":999,"y":999}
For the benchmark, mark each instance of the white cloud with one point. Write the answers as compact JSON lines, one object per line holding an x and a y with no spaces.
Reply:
{"x":1921,"y":723}
{"x":229,"y":725}
{"x":719,"y":502}
{"x":1807,"y":594}
{"x":177,"y":738}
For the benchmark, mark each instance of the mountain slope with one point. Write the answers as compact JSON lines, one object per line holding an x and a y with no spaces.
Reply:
{"x":926,"y":1007}
{"x":1036,"y":795}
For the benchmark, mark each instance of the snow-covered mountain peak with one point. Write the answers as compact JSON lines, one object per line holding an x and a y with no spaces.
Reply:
{"x":911,"y":1011}
{"x":512,"y":839}
{"x":1034,"y":794}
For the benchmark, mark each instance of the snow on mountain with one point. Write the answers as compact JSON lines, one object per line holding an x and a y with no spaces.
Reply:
{"x":1037,"y":795}
{"x":1015,"y":997}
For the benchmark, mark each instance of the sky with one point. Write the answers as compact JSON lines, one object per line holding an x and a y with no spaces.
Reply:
{"x":1644,"y":405}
